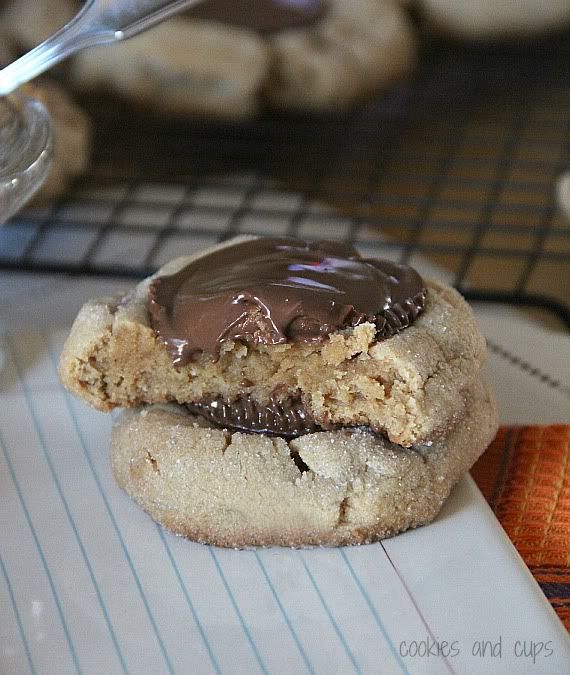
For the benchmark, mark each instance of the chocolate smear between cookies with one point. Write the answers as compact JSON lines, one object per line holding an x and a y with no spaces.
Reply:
{"x":274,"y":291}
{"x":287,"y":418}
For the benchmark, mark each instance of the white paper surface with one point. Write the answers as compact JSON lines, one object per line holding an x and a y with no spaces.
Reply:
{"x":88,"y":583}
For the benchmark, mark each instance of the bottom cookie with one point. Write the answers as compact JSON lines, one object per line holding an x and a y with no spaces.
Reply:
{"x":323,"y":489}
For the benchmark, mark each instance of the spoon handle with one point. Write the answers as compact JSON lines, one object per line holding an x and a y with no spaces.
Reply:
{"x":98,"y":22}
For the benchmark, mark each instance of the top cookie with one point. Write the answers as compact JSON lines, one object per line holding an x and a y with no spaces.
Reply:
{"x":410,"y":386}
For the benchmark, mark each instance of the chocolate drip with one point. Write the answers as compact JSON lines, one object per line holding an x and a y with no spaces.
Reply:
{"x":288,"y":418}
{"x":273,"y":291}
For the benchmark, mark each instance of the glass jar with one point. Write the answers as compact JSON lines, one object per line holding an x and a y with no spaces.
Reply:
{"x":25,"y":151}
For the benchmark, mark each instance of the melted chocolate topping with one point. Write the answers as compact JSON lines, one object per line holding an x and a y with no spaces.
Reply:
{"x":263,"y":16}
{"x":273,"y":291}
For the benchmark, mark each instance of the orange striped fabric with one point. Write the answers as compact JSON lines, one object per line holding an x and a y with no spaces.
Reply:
{"x":525,"y":477}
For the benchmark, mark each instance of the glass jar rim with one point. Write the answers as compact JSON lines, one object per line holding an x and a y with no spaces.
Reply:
{"x":26,"y":148}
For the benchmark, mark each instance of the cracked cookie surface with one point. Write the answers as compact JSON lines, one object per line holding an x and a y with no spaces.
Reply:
{"x":327,"y":488}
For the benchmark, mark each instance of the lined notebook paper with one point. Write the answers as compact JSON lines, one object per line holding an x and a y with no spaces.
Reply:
{"x":89,"y":584}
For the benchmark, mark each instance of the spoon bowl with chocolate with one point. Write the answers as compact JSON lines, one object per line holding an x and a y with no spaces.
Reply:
{"x":279,"y":392}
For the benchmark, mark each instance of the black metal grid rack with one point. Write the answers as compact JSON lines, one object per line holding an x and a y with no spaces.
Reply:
{"x":458,"y":165}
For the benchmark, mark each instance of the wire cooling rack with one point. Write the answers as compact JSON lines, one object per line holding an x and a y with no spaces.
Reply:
{"x":458,"y":165}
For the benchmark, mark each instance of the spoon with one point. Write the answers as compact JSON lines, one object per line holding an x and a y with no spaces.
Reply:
{"x":102,"y":22}
{"x":98,"y":22}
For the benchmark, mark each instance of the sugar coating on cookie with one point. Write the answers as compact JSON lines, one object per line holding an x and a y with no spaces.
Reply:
{"x":408,"y":386}
{"x":323,"y":489}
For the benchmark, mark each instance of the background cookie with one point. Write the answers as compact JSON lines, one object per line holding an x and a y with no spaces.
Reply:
{"x":357,"y":47}
{"x":71,"y":136}
{"x":7,"y":49}
{"x":197,"y":66}
{"x":181,"y":66}
{"x":32,"y":21}
{"x":485,"y":20}
{"x":408,"y":385}
{"x":236,"y":490}
{"x":563,"y":193}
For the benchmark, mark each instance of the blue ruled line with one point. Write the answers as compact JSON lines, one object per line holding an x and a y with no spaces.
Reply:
{"x":41,"y":554}
{"x":186,"y":593}
{"x":173,"y":562}
{"x":113,"y":519}
{"x":237,"y":611}
{"x":330,"y":616}
{"x":375,"y":614}
{"x":47,"y":455}
{"x":17,"y":615}
{"x":284,"y":614}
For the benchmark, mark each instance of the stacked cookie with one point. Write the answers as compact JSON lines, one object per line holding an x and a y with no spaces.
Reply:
{"x":284,"y":393}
